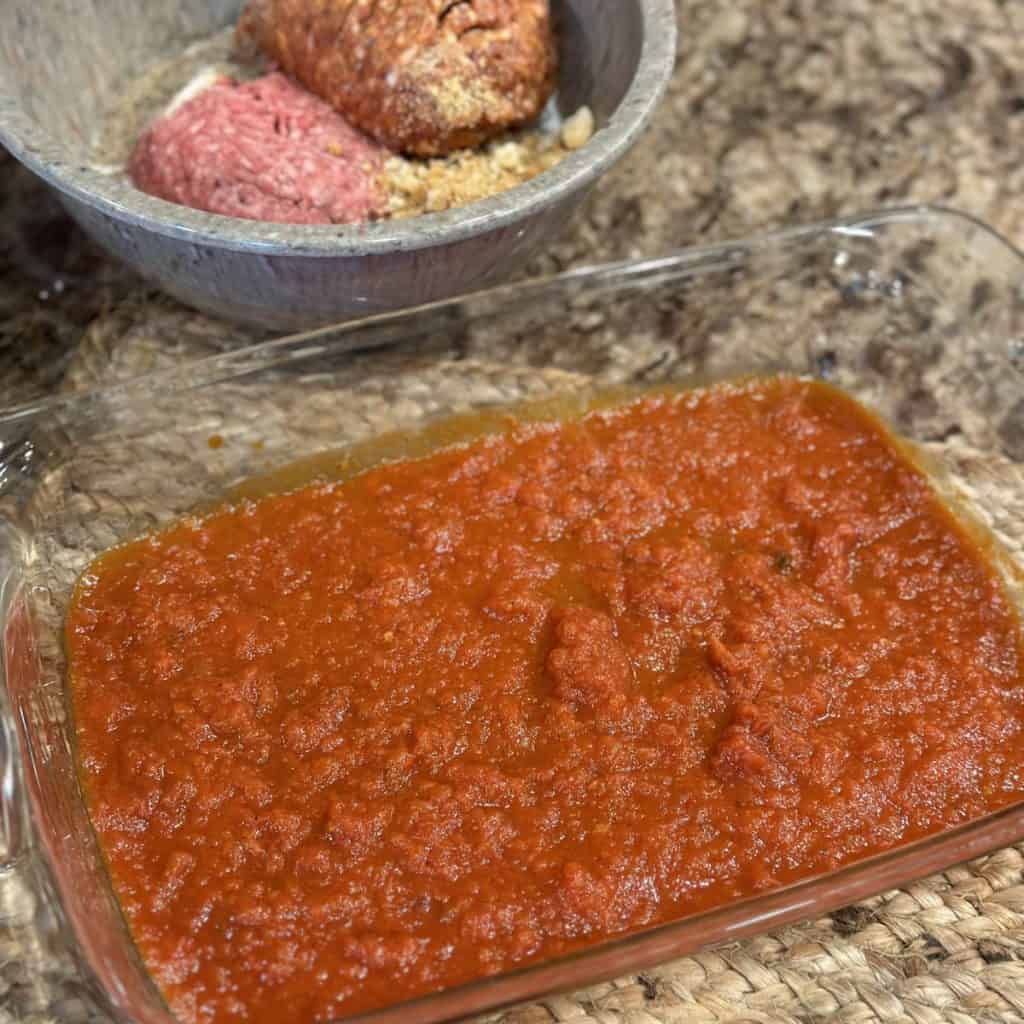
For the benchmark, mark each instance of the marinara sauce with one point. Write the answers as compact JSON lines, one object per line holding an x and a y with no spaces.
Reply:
{"x":361,"y":741}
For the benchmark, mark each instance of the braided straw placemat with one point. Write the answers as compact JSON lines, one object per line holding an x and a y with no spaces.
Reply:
{"x":945,"y":949}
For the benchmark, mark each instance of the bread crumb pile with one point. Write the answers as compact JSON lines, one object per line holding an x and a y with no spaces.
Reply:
{"x":417,"y":186}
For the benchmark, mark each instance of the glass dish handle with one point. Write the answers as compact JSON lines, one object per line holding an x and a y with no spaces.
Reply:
{"x":11,"y":831}
{"x":18,"y":665}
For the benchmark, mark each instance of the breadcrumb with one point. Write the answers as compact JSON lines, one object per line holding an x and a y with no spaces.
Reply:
{"x":416,"y":186}
{"x":578,"y":130}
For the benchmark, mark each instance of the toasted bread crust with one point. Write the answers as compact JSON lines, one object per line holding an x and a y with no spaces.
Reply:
{"x":425,"y":77}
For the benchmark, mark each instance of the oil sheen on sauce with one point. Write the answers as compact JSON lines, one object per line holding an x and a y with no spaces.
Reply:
{"x":462,"y":712}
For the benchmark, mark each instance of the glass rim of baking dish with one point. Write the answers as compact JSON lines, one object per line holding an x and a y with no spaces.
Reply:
{"x":362,"y":334}
{"x":615,"y":956}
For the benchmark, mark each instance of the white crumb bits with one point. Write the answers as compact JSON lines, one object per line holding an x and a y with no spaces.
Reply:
{"x":578,"y":130}
{"x":202,"y":81}
{"x":430,"y":186}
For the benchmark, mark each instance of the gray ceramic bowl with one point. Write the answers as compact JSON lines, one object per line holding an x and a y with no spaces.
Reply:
{"x":63,"y":63}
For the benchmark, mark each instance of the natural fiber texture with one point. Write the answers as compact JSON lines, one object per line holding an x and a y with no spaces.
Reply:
{"x":946,"y":949}
{"x":779,"y":111}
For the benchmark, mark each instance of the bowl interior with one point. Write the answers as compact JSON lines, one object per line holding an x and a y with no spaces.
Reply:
{"x":65,"y":62}
{"x":66,"y":65}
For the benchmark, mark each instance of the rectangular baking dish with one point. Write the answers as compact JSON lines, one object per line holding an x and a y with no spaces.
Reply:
{"x":919,"y":313}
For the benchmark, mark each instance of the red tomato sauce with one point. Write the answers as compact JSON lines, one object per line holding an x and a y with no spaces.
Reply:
{"x":361,"y":741}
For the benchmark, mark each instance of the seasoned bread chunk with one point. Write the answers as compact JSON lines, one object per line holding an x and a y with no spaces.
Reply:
{"x":424,"y":77}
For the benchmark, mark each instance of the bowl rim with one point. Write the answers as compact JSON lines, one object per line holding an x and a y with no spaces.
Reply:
{"x":114,"y":197}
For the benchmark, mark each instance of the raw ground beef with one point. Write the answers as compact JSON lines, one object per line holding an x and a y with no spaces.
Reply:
{"x":263,"y":150}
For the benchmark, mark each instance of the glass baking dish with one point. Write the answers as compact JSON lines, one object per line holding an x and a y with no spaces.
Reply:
{"x":919,"y":313}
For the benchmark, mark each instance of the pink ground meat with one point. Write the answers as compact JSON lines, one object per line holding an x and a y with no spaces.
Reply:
{"x":263,"y":150}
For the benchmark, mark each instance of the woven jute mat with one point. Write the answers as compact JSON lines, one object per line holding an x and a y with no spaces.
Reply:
{"x":946,"y":949}
{"x":780,"y":111}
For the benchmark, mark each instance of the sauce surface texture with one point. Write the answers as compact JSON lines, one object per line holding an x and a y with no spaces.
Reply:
{"x":372,"y":738}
